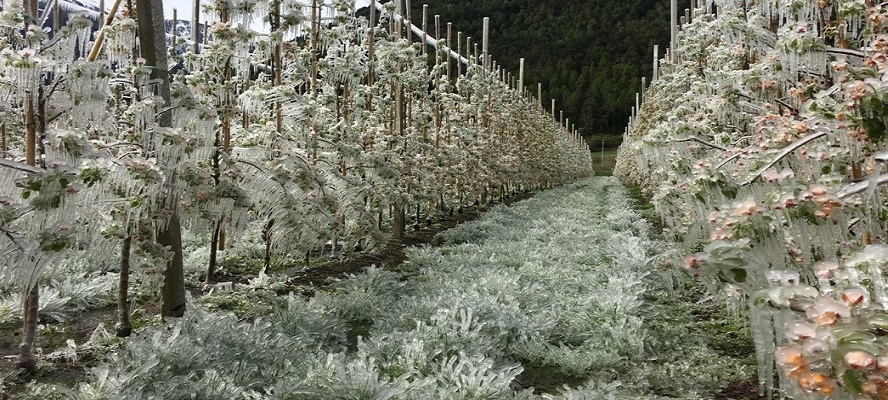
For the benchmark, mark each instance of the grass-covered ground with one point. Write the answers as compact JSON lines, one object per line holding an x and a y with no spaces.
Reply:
{"x":553,"y":297}
{"x":604,"y":162}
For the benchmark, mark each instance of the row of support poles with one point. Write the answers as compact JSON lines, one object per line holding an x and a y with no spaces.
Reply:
{"x":484,"y":59}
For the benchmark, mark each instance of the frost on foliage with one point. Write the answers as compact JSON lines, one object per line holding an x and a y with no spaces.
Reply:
{"x":760,"y":148}
{"x":466,"y":324}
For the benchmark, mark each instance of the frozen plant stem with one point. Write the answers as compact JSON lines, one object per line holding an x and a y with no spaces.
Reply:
{"x":124,"y":328}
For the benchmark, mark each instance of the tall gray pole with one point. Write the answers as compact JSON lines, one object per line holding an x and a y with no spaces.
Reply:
{"x":656,"y":62}
{"x":485,"y":41}
{"x":540,"y":93}
{"x":521,"y":76}
{"x":425,"y":26}
{"x":673,"y":23}
{"x":195,"y":27}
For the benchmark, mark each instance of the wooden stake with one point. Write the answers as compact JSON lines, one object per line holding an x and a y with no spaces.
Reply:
{"x":449,"y":52}
{"x":370,"y":55}
{"x":459,"y":53}
{"x":277,"y":65}
{"x":437,"y":41}
{"x":315,"y":31}
{"x":100,"y":37}
{"x":175,"y":32}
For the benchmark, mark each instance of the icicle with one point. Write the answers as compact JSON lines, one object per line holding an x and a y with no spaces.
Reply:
{"x":120,"y":38}
{"x":763,"y":337}
{"x":24,"y":68}
{"x":88,"y":90}
{"x":873,"y":256}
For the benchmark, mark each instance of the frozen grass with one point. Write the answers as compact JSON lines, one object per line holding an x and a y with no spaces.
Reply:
{"x":559,"y":283}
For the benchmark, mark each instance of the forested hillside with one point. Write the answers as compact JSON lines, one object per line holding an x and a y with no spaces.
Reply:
{"x":589,"y":55}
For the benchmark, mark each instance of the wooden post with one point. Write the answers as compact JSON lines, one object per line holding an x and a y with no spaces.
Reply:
{"x":673,"y":21}
{"x":195,"y":27}
{"x":553,"y":108}
{"x":468,"y":52}
{"x":449,"y":52}
{"x":102,"y":22}
{"x":399,"y":12}
{"x":175,"y":32}
{"x":521,"y":76}
{"x":408,"y":32}
{"x":56,"y":18}
{"x":458,"y":54}
{"x":485,"y":42}
{"x":643,"y":87}
{"x":540,"y":93}
{"x":425,"y":28}
{"x":656,"y":62}
{"x":100,"y":37}
{"x":437,"y":42}
{"x":277,"y":65}
{"x":315,"y":30}
{"x":370,"y":53}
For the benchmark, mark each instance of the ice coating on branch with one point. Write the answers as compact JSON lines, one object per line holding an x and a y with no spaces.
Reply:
{"x":119,"y":39}
{"x":870,"y":261}
{"x":88,"y":90}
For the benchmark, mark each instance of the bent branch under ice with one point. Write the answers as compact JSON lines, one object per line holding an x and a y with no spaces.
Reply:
{"x":787,"y":151}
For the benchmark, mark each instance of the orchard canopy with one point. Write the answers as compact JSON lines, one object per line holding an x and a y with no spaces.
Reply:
{"x":325,"y":127}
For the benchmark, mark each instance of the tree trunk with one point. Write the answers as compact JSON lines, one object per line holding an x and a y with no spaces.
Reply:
{"x":266,"y":237}
{"x":398,"y":224}
{"x":152,"y":40}
{"x":35,"y":119}
{"x":30,"y":131}
{"x":124,"y":328}
{"x":214,"y":245}
{"x":26,"y":358}
{"x":174,"y":275}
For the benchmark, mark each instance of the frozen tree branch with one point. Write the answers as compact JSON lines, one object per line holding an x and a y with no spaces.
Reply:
{"x":20,"y":167}
{"x":858,"y":187}
{"x":701,"y":141}
{"x":786,"y":151}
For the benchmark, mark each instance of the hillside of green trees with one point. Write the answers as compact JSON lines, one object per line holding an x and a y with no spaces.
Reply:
{"x":589,"y":55}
